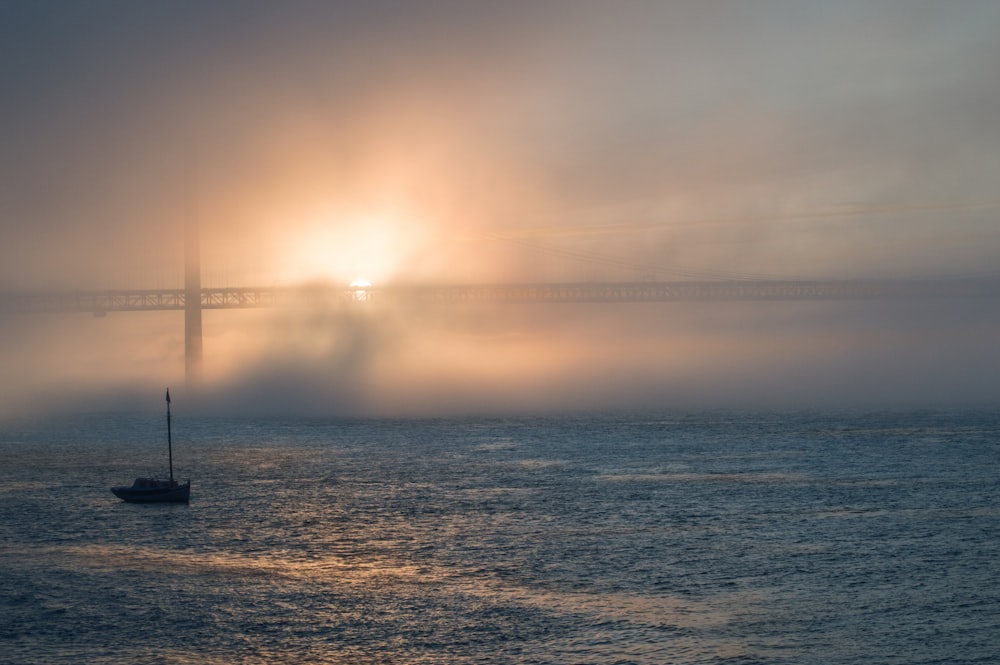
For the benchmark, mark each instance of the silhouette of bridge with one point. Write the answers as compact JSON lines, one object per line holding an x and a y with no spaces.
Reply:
{"x":100,"y":302}
{"x":193,"y":299}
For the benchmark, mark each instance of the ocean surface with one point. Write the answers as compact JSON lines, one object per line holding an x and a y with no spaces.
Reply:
{"x":806,"y":537}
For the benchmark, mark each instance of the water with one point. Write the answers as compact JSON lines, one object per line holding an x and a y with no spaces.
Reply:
{"x":705,"y":538}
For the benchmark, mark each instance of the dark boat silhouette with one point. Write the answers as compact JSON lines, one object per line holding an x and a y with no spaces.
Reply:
{"x":157,"y":490}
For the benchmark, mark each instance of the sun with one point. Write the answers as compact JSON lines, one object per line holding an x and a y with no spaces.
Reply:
{"x":338,"y":248}
{"x":360,"y":289}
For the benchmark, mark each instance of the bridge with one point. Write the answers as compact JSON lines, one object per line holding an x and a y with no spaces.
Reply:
{"x":101,"y":302}
{"x":193,"y":298}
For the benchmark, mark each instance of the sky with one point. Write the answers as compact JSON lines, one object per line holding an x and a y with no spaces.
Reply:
{"x":479,"y":142}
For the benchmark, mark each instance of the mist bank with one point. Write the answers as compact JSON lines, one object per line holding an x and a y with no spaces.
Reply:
{"x":440,"y":361}
{"x":457,"y":142}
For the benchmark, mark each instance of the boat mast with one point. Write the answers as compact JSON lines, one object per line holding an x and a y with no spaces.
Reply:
{"x":170,"y":443}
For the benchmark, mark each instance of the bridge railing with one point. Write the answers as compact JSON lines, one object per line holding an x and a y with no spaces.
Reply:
{"x":100,"y":302}
{"x":639,"y":292}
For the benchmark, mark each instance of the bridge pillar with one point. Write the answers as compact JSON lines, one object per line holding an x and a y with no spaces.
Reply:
{"x":192,"y":301}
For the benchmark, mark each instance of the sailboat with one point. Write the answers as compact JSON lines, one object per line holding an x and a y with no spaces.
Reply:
{"x":157,"y":490}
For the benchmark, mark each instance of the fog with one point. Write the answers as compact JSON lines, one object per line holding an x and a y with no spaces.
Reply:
{"x":455,"y":142}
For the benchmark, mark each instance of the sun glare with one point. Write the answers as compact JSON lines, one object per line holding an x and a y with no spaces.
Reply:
{"x":338,"y":249}
{"x":360,"y":289}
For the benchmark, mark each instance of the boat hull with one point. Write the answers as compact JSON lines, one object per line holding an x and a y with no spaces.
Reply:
{"x":164,"y":493}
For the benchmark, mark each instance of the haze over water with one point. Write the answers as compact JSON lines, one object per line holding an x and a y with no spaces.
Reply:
{"x":454,"y":142}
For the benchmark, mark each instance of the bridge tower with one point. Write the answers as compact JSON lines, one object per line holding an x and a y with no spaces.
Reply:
{"x":192,"y":297}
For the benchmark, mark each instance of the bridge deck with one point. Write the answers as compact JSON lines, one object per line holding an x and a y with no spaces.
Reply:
{"x":131,"y":300}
